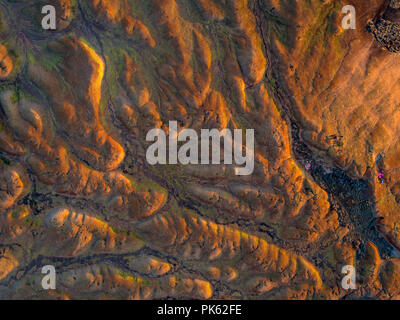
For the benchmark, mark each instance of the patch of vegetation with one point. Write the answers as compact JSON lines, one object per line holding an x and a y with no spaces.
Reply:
{"x":33,"y":221}
{"x":50,"y":60}
{"x":127,"y":233}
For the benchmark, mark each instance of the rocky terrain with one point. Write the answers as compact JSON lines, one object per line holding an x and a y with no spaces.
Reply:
{"x":76,"y":191}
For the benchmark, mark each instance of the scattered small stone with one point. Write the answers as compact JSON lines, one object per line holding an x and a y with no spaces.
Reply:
{"x":395,"y":4}
{"x":386,"y":33}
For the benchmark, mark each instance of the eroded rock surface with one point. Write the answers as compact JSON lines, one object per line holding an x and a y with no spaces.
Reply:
{"x":77,"y":192}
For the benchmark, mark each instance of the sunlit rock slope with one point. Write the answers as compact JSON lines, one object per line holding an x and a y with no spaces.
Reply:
{"x":77,"y":192}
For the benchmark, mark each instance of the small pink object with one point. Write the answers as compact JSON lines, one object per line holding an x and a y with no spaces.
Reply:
{"x":308,"y":166}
